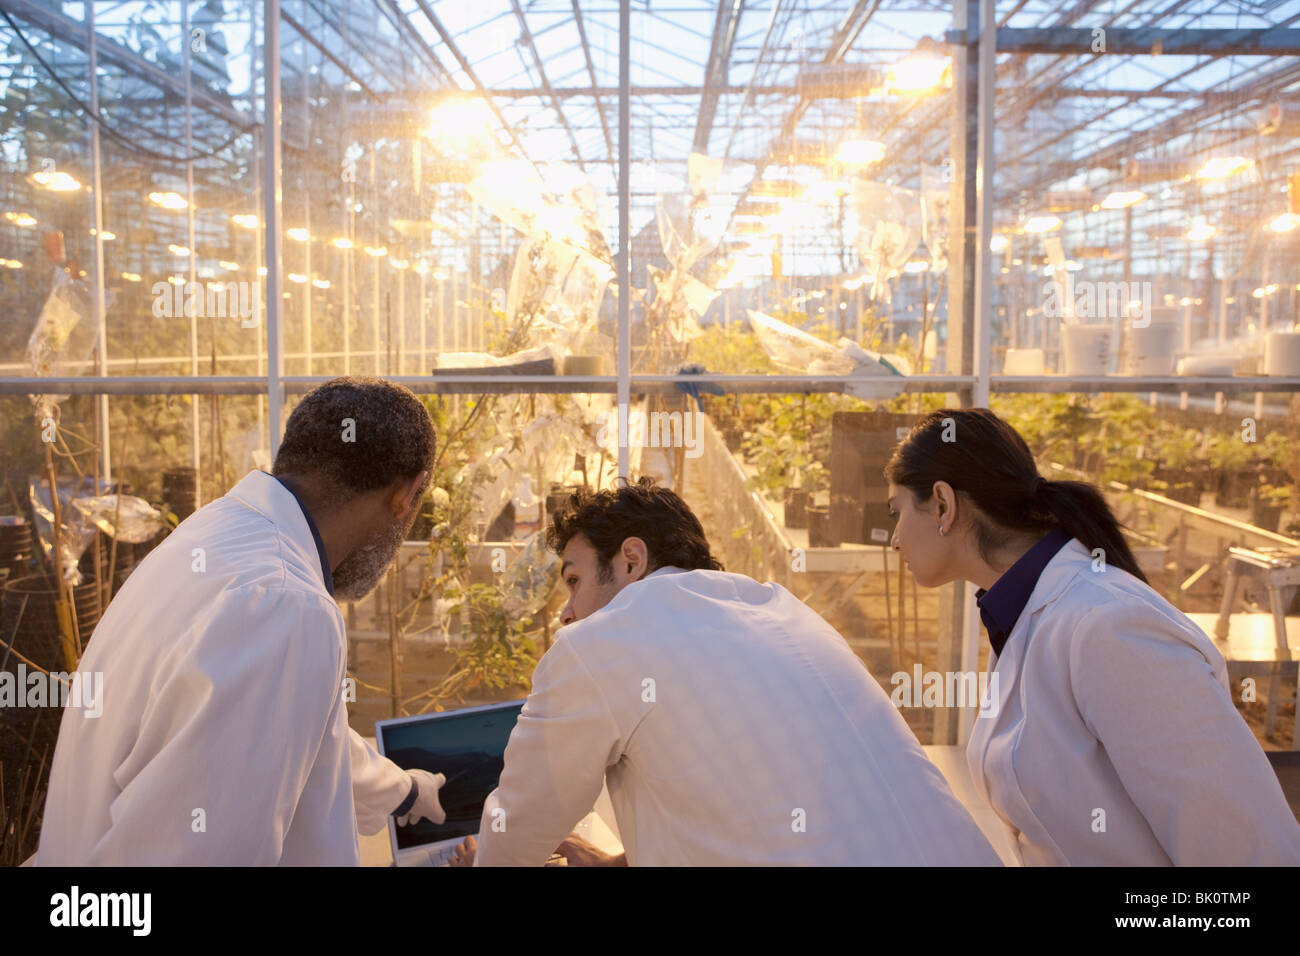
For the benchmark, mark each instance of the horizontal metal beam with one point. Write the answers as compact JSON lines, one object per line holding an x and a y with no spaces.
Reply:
{"x":136,"y":385}
{"x":1193,"y":385}
{"x":830,"y":90}
{"x":657,"y":384}
{"x":1139,"y":41}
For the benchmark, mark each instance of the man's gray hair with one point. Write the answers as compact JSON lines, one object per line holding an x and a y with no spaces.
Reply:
{"x":358,"y":434}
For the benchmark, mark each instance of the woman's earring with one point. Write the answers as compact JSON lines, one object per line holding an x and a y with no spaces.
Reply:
{"x":943,"y":530}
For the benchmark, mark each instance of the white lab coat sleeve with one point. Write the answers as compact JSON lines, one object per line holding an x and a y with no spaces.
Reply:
{"x":555,"y":761}
{"x":1188,"y":760}
{"x":378,"y":785}
{"x":234,"y":732}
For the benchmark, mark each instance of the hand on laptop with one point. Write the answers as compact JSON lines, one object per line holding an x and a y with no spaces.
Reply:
{"x":426,"y":806}
{"x":581,"y":852}
{"x":463,"y":855}
{"x":575,"y":850}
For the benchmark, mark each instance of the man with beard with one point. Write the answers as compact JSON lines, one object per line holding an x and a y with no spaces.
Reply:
{"x":224,"y":738}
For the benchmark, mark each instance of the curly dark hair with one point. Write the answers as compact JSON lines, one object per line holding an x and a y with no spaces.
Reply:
{"x":357,"y":434}
{"x":659,"y":517}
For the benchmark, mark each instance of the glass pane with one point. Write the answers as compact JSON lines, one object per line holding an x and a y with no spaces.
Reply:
{"x":1145,"y":203}
{"x":793,"y":181}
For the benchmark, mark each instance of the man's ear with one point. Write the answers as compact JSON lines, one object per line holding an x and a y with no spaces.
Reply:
{"x":406,"y":492}
{"x":633,"y":555}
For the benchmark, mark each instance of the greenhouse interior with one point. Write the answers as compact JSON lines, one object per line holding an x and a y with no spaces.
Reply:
{"x":746,"y":249}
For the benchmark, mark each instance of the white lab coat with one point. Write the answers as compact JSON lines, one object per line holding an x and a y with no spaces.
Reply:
{"x":224,"y":739}
{"x":733,"y":726}
{"x":1115,"y":740}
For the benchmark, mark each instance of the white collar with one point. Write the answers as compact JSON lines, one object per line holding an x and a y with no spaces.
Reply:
{"x":666,"y":569}
{"x":266,"y":495}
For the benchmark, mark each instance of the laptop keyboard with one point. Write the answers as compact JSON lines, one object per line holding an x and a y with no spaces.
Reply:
{"x":441,"y":856}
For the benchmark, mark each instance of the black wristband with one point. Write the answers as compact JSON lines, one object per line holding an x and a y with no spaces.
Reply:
{"x":405,"y":805}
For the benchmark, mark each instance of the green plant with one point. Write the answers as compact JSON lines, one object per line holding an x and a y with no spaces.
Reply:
{"x":1279,"y":455}
{"x":1126,"y":470}
{"x":1273,"y":496}
{"x":500,"y":654}
{"x":1054,"y":426}
{"x":1227,"y":452}
{"x":779,"y":459}
{"x":789,"y":440}
{"x":730,"y":351}
{"x":1177,"y":448}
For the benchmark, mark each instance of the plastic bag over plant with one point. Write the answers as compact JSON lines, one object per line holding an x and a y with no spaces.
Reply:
{"x":692,"y":216}
{"x":530,"y":581}
{"x":136,"y":521}
{"x":936,"y":200}
{"x":559,"y":290}
{"x":64,"y":338}
{"x":795,"y":350}
{"x":889,"y":227}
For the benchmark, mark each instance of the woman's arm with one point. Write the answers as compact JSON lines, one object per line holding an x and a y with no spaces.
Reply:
{"x":1160,"y":708}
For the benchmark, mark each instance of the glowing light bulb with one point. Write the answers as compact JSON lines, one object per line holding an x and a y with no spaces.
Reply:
{"x":1123,"y":198}
{"x":1221,"y":167}
{"x":860,"y":152}
{"x":56,"y":182}
{"x":169,"y":200}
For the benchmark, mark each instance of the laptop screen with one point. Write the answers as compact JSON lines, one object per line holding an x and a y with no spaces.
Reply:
{"x":468,"y":747}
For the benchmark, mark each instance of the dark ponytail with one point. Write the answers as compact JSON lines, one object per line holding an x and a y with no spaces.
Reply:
{"x":984,"y":458}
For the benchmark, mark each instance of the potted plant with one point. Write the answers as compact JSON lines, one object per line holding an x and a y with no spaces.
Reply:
{"x":811,"y":478}
{"x":1134,"y":472}
{"x":1267,"y":502}
{"x":1230,"y":459}
{"x":1278,"y":458}
{"x":1179,"y":470}
{"x":820,"y":532}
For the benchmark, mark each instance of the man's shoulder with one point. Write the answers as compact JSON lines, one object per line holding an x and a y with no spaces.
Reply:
{"x":676,"y":601}
{"x":238,"y":548}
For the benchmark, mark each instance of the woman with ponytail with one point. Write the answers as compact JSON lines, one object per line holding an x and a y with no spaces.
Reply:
{"x":1110,"y":736}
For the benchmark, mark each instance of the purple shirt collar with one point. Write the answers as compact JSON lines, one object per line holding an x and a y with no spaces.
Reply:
{"x":1001,"y":605}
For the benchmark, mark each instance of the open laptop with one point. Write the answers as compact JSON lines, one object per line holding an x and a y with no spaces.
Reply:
{"x":468,"y":746}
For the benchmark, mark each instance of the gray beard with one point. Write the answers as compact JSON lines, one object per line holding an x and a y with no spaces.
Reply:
{"x":358,"y":573}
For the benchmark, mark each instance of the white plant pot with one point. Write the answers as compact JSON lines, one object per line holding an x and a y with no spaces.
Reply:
{"x":1151,"y":350}
{"x":1086,"y":348}
{"x":1023,"y":362}
{"x":1282,"y":353}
